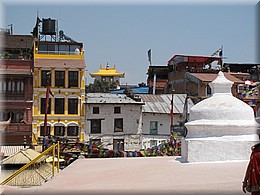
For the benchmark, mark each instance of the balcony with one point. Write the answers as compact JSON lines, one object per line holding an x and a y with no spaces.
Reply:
{"x":18,"y":127}
{"x":59,"y":50}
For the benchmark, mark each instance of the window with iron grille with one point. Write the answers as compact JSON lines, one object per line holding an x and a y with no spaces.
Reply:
{"x":43,"y":106}
{"x":59,"y":78}
{"x":42,"y":131}
{"x":95,"y":125}
{"x":95,"y":110}
{"x":73,"y":78}
{"x":72,"y":106}
{"x":118,"y":125}
{"x":72,"y":130}
{"x":117,"y":110}
{"x":59,"y":130}
{"x":44,"y":77}
{"x":59,"y":105}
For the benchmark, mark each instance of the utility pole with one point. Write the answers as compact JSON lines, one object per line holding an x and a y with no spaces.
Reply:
{"x":171,"y":114}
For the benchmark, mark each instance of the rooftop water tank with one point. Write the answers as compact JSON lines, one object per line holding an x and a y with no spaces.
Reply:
{"x":48,"y":26}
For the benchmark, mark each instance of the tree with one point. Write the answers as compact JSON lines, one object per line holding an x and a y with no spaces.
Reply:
{"x":100,"y":86}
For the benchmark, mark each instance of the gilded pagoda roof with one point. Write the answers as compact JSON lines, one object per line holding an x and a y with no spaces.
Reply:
{"x":107,"y":71}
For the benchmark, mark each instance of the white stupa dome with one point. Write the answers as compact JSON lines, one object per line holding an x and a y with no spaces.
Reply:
{"x":222,"y":105}
{"x":220,"y":128}
{"x":226,"y":113}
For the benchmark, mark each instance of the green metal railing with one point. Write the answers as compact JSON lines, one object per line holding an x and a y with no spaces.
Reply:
{"x":48,"y":150}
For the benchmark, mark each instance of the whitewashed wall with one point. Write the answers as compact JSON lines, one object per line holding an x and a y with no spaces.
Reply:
{"x":132,"y":119}
{"x":164,"y":123}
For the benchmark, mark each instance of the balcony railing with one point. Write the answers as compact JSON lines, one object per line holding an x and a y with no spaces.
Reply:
{"x":16,"y":127}
{"x":59,"y":52}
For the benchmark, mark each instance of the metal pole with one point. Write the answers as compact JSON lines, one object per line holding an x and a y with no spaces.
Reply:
{"x":172,"y":125}
{"x":46,"y":108}
{"x":53,"y":159}
{"x":58,"y":156}
{"x":154,"y":83}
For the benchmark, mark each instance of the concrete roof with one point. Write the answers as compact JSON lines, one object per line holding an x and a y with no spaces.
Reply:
{"x":149,"y":175}
{"x":162,"y":103}
{"x":17,"y":41}
{"x":108,"y":98}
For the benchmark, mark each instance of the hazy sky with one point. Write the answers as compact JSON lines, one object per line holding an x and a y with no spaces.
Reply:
{"x":122,"y":34}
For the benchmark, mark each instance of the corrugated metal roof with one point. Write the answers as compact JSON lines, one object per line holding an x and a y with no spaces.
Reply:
{"x":23,"y":157}
{"x":10,"y":150}
{"x":136,"y":90}
{"x":162,"y":103}
{"x":108,"y":98}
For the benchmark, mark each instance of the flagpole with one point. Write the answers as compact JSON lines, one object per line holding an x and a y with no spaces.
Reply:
{"x":46,"y":108}
{"x":154,"y":75}
{"x":222,"y":56}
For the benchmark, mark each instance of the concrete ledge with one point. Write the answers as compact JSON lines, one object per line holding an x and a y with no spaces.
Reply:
{"x":218,"y":149}
{"x":150,"y":175}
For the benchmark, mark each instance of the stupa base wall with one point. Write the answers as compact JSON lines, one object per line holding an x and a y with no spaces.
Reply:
{"x":206,"y":150}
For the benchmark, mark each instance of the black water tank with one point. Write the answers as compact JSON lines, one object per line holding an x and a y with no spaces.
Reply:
{"x":48,"y":26}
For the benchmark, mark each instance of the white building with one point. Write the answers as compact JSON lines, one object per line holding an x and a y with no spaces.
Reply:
{"x":114,"y":120}
{"x":156,"y":116}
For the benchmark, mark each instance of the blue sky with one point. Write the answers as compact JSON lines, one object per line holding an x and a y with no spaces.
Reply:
{"x":122,"y":34}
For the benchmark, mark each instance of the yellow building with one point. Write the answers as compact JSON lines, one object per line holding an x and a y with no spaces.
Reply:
{"x":108,"y":74}
{"x":66,"y":65}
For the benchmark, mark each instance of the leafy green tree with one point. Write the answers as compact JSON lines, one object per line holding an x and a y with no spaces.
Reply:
{"x":100,"y":86}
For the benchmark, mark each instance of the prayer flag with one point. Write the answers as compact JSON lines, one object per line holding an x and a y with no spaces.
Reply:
{"x":150,"y":56}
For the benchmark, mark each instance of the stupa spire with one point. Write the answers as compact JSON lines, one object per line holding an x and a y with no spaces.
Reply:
{"x":221,"y":84}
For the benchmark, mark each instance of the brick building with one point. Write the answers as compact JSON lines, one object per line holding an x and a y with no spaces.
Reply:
{"x":16,"y":88}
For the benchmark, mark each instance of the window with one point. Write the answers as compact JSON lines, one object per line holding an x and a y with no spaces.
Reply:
{"x":118,"y":125}
{"x":59,"y":105}
{"x":118,"y":144}
{"x":153,"y":127}
{"x":73,"y":106}
{"x":20,"y":87}
{"x":10,"y":114}
{"x":96,"y":126}
{"x":47,"y":132}
{"x":72,"y":130}
{"x":2,"y":86}
{"x":59,"y":78}
{"x":44,"y":77}
{"x":73,"y":78}
{"x":18,"y":116}
{"x":63,"y":49}
{"x":43,"y":105}
{"x":95,"y":110}
{"x":59,"y":130}
{"x":208,"y":90}
{"x":2,"y":116}
{"x":12,"y":87}
{"x":117,"y":110}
